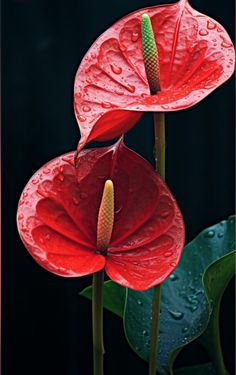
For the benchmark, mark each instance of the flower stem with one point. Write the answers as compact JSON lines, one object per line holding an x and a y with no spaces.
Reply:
{"x":159,"y":131}
{"x":97,"y":316}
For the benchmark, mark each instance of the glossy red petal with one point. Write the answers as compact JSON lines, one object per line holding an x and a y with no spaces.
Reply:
{"x":58,"y":211}
{"x":53,"y":221}
{"x":149,"y":264}
{"x":111,"y":90}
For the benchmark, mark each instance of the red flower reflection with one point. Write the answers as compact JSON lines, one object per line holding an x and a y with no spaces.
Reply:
{"x":58,"y":213}
{"x":196,"y":55}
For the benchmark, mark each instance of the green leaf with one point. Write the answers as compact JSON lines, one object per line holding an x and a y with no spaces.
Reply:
{"x":114,"y":297}
{"x":206,"y":369}
{"x":218,"y":274}
{"x":185,"y":309}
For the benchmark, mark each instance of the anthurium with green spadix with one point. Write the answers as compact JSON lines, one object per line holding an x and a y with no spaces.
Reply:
{"x":63,"y":211}
{"x":112,"y":91}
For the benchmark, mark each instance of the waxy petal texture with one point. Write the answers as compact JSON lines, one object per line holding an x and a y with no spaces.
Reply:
{"x":111,"y":91}
{"x":58,"y":212}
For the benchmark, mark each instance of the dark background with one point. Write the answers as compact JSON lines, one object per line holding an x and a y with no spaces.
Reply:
{"x":46,"y":326}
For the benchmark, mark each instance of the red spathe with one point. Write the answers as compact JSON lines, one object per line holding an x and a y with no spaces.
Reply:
{"x":58,"y":210}
{"x":111,"y":91}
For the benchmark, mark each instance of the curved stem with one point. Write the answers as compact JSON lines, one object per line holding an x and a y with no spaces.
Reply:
{"x":159,"y":131}
{"x":97,"y":316}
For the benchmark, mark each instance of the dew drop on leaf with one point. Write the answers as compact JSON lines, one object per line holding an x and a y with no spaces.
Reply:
{"x":176,"y":315}
{"x":173,"y":277}
{"x":210,"y":234}
{"x":139,"y":302}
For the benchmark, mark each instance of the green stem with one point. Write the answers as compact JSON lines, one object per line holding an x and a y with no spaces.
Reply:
{"x":211,"y":340}
{"x":97,"y":312}
{"x":159,"y":131}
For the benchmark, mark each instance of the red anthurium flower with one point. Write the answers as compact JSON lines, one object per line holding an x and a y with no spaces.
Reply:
{"x":73,"y":226}
{"x":196,"y":55}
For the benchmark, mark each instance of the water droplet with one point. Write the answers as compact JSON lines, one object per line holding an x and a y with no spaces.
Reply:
{"x":130,"y":88}
{"x":61,"y":169}
{"x":176,"y":315}
{"x":82,"y":118}
{"x":165,"y":106}
{"x":139,"y":302}
{"x":173,"y":277}
{"x":61,"y":177}
{"x":173,"y":264}
{"x":210,"y":234}
{"x":106,"y":105}
{"x":119,"y":92}
{"x":86,"y":108}
{"x":219,"y":29}
{"x":164,"y":213}
{"x":25,"y":194}
{"x":226,"y":44}
{"x":145,"y":333}
{"x":220,"y":235}
{"x":83,"y":195}
{"x":134,"y":36}
{"x":75,"y":201}
{"x":93,"y":55}
{"x":203,"y":32}
{"x":48,"y":237}
{"x":46,"y":170}
{"x":167,"y":254}
{"x":116,"y":69}
{"x":123,"y":47}
{"x":35,"y":181}
{"x":211,"y":25}
{"x":20,"y":217}
{"x":185,"y":329}
{"x":41,"y":240}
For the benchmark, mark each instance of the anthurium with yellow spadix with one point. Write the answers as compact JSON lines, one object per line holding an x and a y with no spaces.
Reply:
{"x":111,"y":211}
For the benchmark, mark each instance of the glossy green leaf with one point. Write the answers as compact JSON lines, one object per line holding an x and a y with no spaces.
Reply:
{"x":114,"y":297}
{"x":185,"y":310}
{"x":205,"y":369}
{"x":218,"y":274}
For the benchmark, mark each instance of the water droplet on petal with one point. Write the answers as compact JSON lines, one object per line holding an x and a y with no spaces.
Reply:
{"x":25,"y":194}
{"x":123,"y":47}
{"x":164,"y":213}
{"x":35,"y":181}
{"x":134,"y":36}
{"x":130,"y":88}
{"x":41,"y":240}
{"x":119,"y":92}
{"x":210,"y":234}
{"x":176,"y":315}
{"x":46,"y":170}
{"x":168,"y":254}
{"x":61,"y":169}
{"x":86,"y":108}
{"x":82,"y":118}
{"x":75,"y":201}
{"x":116,"y":69}
{"x":48,"y":237}
{"x":61,"y":177}
{"x":139,"y":302}
{"x":203,"y":32}
{"x":83,"y":195}
{"x":106,"y":105}
{"x":20,"y":217}
{"x":226,"y":44}
{"x":211,"y":25}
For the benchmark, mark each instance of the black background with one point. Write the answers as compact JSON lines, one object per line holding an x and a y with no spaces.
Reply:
{"x":46,"y":326}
